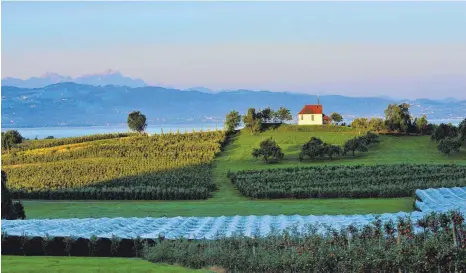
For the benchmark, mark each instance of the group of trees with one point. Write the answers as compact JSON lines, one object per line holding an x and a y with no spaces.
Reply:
{"x":253,"y":119}
{"x":270,"y":152}
{"x":317,"y":148}
{"x":366,"y":124}
{"x":10,"y":210}
{"x":449,"y":137}
{"x":398,"y":119}
{"x":360,"y":144}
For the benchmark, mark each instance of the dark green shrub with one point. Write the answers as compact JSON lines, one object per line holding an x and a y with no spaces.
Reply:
{"x":269,"y":151}
{"x":448,"y":145}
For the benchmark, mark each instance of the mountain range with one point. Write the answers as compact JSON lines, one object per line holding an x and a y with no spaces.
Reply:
{"x":74,"y":104}
{"x":99,"y":79}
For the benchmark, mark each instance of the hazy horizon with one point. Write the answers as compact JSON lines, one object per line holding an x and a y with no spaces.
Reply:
{"x":364,"y":49}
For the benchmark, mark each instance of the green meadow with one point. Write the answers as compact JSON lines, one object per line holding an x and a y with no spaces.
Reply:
{"x":36,"y":264}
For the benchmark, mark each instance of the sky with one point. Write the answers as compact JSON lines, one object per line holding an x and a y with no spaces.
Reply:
{"x":396,"y":49}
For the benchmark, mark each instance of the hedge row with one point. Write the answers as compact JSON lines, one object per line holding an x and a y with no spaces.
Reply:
{"x":312,"y":128}
{"x":69,"y":246}
{"x":47,"y":143}
{"x":118,"y":193}
{"x":359,"y":181}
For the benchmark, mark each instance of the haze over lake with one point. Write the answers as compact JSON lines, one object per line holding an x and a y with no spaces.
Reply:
{"x":59,"y":132}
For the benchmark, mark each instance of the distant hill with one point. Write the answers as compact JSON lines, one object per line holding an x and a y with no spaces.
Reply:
{"x":109,"y":77}
{"x":201,"y":89}
{"x":72,"y":104}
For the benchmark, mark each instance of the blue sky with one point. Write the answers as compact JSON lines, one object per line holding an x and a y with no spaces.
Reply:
{"x":341,"y":48}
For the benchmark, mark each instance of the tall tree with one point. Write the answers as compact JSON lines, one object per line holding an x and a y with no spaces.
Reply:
{"x":268,"y":151}
{"x":398,"y":118}
{"x":336,"y":118}
{"x":232,"y":121}
{"x":11,"y":138}
{"x":267,"y":114}
{"x":137,"y":121}
{"x":421,"y":124}
{"x":283,"y":114}
{"x":252,"y":122}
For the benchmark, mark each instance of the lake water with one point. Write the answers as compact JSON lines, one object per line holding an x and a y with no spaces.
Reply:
{"x":59,"y":132}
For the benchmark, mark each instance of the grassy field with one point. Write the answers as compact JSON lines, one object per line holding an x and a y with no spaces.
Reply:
{"x":391,"y":150}
{"x":85,"y":264}
{"x":228,"y":201}
{"x":213,"y":207}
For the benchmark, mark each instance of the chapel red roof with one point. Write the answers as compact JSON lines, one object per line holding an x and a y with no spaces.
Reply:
{"x":326,"y":117}
{"x":311,"y":109}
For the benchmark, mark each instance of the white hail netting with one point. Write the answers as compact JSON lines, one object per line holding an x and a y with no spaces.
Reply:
{"x":433,"y":200}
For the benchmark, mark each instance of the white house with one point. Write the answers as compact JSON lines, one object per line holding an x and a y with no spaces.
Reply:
{"x":312,"y":114}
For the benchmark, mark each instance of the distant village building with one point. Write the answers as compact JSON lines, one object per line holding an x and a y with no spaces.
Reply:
{"x":312,"y":114}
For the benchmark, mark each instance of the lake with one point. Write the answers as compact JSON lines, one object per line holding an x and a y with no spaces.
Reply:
{"x":59,"y":132}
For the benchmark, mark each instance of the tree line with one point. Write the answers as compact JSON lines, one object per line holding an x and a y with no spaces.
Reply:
{"x":450,"y":138}
{"x":18,"y":143}
{"x":397,"y":120}
{"x":254,"y":119}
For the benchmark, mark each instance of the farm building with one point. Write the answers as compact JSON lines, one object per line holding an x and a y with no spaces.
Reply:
{"x":312,"y":114}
